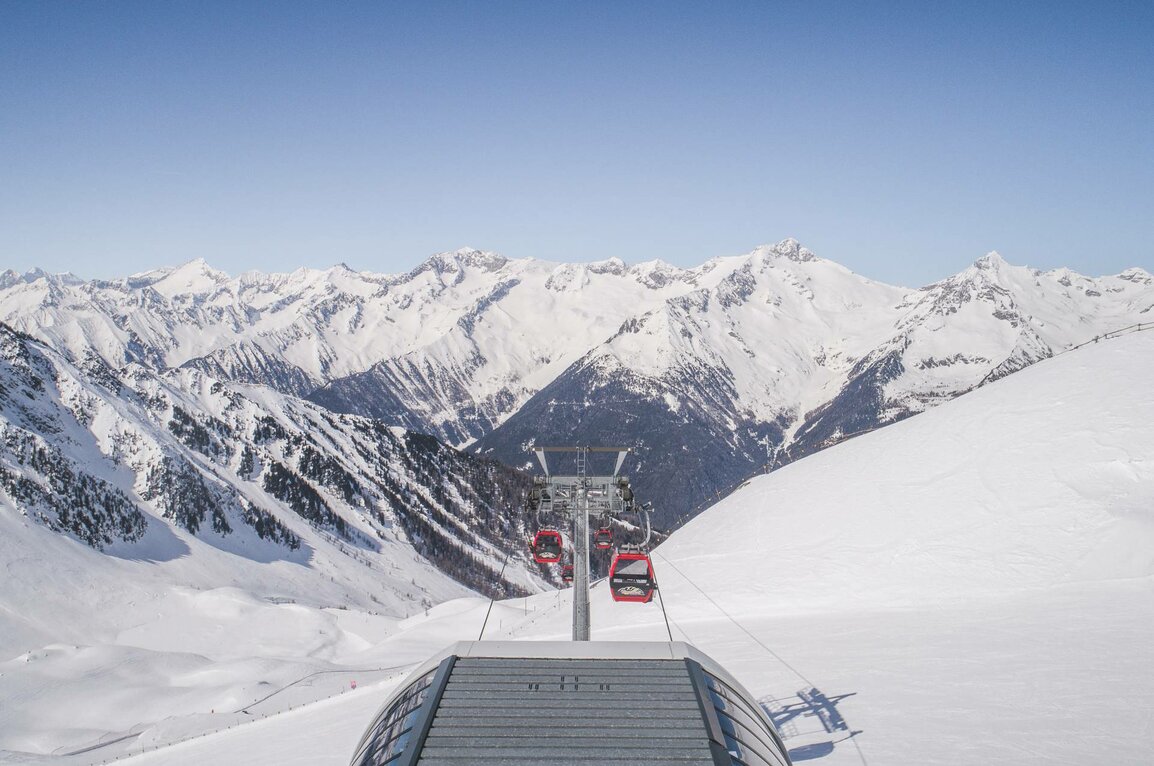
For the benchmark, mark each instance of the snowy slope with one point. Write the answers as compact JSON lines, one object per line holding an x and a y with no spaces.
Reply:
{"x":979,"y":579}
{"x":180,"y":478}
{"x":1043,"y":479}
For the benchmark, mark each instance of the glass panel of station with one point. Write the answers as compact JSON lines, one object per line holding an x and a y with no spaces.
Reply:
{"x":748,"y":738}
{"x":386,"y":739}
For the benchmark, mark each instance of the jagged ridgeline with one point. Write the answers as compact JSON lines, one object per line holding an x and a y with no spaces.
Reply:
{"x":102,"y":454}
{"x":713,"y":372}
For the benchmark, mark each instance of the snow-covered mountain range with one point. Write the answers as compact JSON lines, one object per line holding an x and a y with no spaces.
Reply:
{"x":713,"y":372}
{"x":155,"y":466}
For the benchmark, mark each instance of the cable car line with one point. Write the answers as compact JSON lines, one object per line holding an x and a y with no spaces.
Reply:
{"x":732,"y":619}
{"x":716,"y":719}
{"x":489,"y":611}
{"x":661,"y":601}
{"x":631,"y":574}
{"x":857,"y":746}
{"x":756,"y":640}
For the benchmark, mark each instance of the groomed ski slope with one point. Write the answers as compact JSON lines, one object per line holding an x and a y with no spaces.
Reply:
{"x":979,"y":578}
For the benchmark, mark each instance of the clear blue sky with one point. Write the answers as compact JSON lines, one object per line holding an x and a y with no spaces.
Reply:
{"x":901,"y":139}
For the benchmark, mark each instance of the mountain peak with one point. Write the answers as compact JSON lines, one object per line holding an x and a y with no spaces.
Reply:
{"x":612,"y":265}
{"x":198,"y":266}
{"x":656,"y":273}
{"x":790,"y":249}
{"x":466,"y":258}
{"x":992,"y":260}
{"x":194,"y":276}
{"x":1137,"y":275}
{"x":10,"y":277}
{"x":991,"y":268}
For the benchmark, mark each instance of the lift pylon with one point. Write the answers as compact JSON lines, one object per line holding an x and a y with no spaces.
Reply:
{"x":578,"y":496}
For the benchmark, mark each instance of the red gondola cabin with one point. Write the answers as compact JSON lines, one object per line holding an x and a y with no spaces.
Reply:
{"x":631,"y":578}
{"x":547,"y":546}
{"x":603,"y":538}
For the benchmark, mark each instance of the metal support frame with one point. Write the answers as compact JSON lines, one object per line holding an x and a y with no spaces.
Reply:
{"x":581,"y":554}
{"x":576,"y":496}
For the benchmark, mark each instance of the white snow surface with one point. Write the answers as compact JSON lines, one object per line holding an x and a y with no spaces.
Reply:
{"x":980,"y":579}
{"x":1043,"y":479}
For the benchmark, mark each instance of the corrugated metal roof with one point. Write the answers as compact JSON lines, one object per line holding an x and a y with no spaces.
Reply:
{"x":571,"y":704}
{"x":582,"y":711}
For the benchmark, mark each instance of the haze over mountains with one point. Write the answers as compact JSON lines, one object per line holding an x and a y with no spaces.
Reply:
{"x":712,"y":372}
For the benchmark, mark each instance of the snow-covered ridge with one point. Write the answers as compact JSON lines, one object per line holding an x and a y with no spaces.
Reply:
{"x":209,"y":480}
{"x":784,"y":351}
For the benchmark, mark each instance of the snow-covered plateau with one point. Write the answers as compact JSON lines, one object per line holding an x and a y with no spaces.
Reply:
{"x":972,"y":585}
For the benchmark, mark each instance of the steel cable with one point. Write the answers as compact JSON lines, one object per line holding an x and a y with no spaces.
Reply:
{"x":493,"y":599}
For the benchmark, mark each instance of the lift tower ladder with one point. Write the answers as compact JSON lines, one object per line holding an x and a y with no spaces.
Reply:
{"x":577,"y":496}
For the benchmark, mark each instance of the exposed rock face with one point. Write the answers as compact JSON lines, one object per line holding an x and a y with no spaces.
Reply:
{"x":102,"y":454}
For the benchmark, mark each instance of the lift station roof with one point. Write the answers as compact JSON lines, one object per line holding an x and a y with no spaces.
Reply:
{"x":506,"y":703}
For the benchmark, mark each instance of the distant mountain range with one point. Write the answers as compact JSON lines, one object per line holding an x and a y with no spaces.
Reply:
{"x":713,"y":372}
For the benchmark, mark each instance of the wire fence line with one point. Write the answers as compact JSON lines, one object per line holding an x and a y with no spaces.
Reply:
{"x":343,"y":671}
{"x":226,"y":726}
{"x":1139,"y":327}
{"x":1111,"y":335}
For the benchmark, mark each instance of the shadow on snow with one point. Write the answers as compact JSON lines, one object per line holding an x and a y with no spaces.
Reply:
{"x":810,"y":723}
